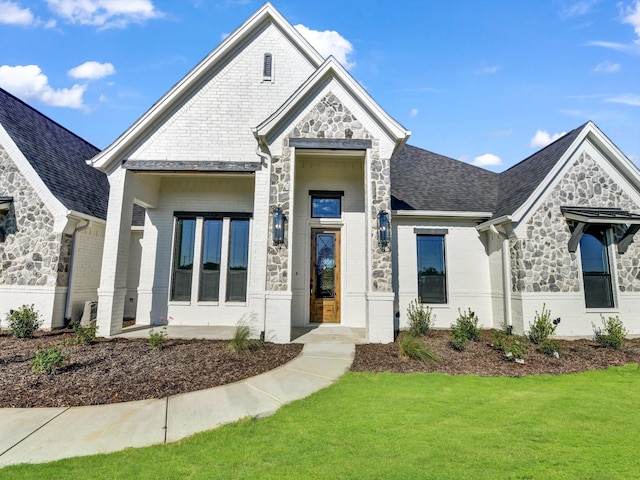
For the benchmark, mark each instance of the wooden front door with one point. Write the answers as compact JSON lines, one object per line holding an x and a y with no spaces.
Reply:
{"x":325,"y":275}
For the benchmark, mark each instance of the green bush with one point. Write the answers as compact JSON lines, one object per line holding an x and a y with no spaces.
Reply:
{"x":157,"y":339}
{"x":48,"y":360}
{"x":513,"y":347}
{"x":84,"y":335}
{"x":550,"y":348}
{"x":612,"y":333}
{"x":411,"y":346}
{"x":420,"y":318}
{"x":242,"y":342}
{"x":464,"y":330}
{"x":23,"y":322}
{"x":543,"y":327}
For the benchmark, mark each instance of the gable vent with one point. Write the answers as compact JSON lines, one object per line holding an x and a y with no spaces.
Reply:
{"x":267,"y":68}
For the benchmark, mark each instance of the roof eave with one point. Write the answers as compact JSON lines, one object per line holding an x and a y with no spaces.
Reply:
{"x":441,"y":214}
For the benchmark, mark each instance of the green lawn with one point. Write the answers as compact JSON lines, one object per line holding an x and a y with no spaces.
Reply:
{"x":581,"y":426}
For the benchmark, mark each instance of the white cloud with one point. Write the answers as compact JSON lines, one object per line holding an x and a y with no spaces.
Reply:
{"x":12,"y":14}
{"x":632,"y":17}
{"x":579,"y":8}
{"x":542,"y":138}
{"x":328,"y":43}
{"x":607,"y":67}
{"x":487,"y":160}
{"x":104,"y":13}
{"x":488,"y":70}
{"x":92,"y":70}
{"x":414,"y":112}
{"x":626,"y":99}
{"x":29,"y":83}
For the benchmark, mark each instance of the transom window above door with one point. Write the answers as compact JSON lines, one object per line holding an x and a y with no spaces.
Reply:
{"x":326,"y":204}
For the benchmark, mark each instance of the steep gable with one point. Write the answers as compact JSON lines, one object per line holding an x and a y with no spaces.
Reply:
{"x":57,"y":156}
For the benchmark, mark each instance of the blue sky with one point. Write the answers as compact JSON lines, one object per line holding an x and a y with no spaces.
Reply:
{"x":487,"y":82}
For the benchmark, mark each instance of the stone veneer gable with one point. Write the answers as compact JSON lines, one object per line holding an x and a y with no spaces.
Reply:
{"x":541,"y":261}
{"x":32,"y":253}
{"x":329,"y":118}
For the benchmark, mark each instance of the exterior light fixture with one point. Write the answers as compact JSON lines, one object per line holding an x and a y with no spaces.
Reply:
{"x":278,"y":226}
{"x":383,"y":228}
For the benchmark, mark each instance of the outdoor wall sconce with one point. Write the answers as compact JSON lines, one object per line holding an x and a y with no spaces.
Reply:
{"x":383,"y":228}
{"x":278,"y":226}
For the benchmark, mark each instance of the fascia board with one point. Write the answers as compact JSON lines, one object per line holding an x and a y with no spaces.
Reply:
{"x":58,"y":210}
{"x":332,"y":66}
{"x":496,"y":221}
{"x":104,"y":160}
{"x":440,"y":214}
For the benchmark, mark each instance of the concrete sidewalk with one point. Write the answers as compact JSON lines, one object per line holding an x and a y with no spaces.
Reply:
{"x":36,"y":435}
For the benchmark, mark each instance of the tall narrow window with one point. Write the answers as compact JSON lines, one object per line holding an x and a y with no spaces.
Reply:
{"x":238,"y":260}
{"x":598,"y":292}
{"x":211,"y":250}
{"x":267,"y":67}
{"x":432,"y":284}
{"x":183,"y":259}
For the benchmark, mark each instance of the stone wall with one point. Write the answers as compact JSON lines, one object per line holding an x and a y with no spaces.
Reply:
{"x":30,"y":254}
{"x":328,"y":119}
{"x":541,"y":261}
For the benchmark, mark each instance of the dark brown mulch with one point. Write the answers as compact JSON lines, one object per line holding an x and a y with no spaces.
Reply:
{"x":481,"y":359}
{"x":122,"y":370}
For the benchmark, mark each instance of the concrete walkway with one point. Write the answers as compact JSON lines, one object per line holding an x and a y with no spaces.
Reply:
{"x":36,"y":435}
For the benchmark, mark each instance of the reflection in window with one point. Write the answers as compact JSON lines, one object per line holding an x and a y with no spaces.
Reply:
{"x":211,"y":250}
{"x":183,"y":259}
{"x":238,"y":261}
{"x":325,"y":207}
{"x":596,"y":275}
{"x":431,"y":269}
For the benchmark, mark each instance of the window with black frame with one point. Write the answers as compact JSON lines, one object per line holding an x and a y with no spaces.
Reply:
{"x":210,"y":267}
{"x":432,"y":280}
{"x":238,"y":260}
{"x":326,"y":204}
{"x":596,"y":273}
{"x":183,"y":259}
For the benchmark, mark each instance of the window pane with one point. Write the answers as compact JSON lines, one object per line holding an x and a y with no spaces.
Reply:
{"x":431,"y":269}
{"x":211,"y":250}
{"x":596,"y":275}
{"x":238,"y":261}
{"x":325,"y":207}
{"x":183,"y":259}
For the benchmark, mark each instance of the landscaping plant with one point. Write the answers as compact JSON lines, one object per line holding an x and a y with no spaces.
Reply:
{"x":550,"y":348}
{"x":242,"y":341}
{"x":48,"y":360}
{"x":421,"y":318}
{"x":612,"y":333}
{"x":23,"y":322}
{"x":513,"y":347}
{"x":465,"y":329}
{"x":411,"y":346}
{"x":543,"y":327}
{"x":84,"y":335}
{"x":157,"y":339}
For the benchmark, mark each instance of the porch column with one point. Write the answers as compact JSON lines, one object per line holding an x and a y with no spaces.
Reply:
{"x":113,"y":278}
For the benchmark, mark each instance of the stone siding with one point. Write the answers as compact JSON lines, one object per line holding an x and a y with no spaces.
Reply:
{"x":30,"y":254}
{"x":541,"y":261}
{"x":328,"y":119}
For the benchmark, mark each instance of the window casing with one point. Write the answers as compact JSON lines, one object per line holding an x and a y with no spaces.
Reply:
{"x":220,"y":272}
{"x":596,"y":269}
{"x":432,"y":278}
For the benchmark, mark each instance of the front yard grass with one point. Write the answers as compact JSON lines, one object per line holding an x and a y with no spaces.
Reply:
{"x":367,"y":425}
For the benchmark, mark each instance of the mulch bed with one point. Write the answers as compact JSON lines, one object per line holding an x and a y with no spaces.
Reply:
{"x":122,"y":370}
{"x":481,"y":359}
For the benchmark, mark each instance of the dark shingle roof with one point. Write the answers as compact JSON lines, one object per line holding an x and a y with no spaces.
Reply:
{"x":58,"y":157}
{"x":518,"y":182}
{"x":423,"y":180}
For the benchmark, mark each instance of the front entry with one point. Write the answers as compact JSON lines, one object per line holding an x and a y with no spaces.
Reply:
{"x":325,"y":275}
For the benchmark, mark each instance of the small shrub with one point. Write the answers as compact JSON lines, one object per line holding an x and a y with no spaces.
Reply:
{"x":157,"y":339}
{"x":464,"y":330}
{"x":513,"y":347}
{"x":550,"y":348}
{"x":23,"y":322}
{"x":84,"y":335}
{"x":543,"y":327}
{"x":410,"y":346}
{"x":612,"y":333}
{"x":421,"y":318}
{"x":241,"y":341}
{"x":48,"y":360}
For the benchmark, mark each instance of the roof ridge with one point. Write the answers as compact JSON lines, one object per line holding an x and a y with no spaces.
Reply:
{"x":49,"y":119}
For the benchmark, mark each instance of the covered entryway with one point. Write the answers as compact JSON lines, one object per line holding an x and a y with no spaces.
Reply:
{"x":325,"y":275}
